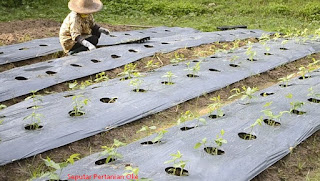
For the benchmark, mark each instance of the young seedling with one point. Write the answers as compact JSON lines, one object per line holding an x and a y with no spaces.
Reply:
{"x":219,"y":141}
{"x":216,"y":106}
{"x":112,"y":151}
{"x":169,"y":75}
{"x":160,"y":135}
{"x":101,"y":77}
{"x":250,"y":53}
{"x":295,"y":105}
{"x":52,"y":175}
{"x":285,"y":80}
{"x":234,"y":58}
{"x":194,"y":70}
{"x":136,"y":84}
{"x":128,"y":71}
{"x":312,"y":93}
{"x":246,"y":93}
{"x":152,"y":65}
{"x":283,"y":43}
{"x":2,"y":106}
{"x":147,"y":129}
{"x":188,"y":115}
{"x":178,"y":165}
{"x":34,"y":116}
{"x":133,"y":174}
{"x":78,"y":102}
{"x":177,"y":58}
{"x":250,"y":135}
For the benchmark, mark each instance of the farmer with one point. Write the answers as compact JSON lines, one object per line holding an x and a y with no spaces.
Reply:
{"x":78,"y":31}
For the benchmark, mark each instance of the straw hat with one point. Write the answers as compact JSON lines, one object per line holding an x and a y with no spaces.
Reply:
{"x":85,"y":6}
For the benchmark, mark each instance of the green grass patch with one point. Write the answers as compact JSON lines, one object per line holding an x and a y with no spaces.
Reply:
{"x":272,"y":15}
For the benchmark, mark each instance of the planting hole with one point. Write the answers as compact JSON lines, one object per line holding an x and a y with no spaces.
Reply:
{"x":139,"y":90}
{"x":133,"y":51}
{"x":271,"y":122}
{"x":43,"y":45}
{"x":50,"y":72}
{"x":113,"y":36}
{"x":127,"y":34}
{"x":213,"y":151}
{"x":305,"y":77}
{"x":108,"y":100}
{"x":72,"y":113}
{"x":95,"y":87}
{"x":104,"y":161}
{"x":175,"y":65}
{"x":265,"y":94}
{"x":284,"y":48}
{"x":23,"y":48}
{"x":247,"y":136}
{"x":125,"y":78}
{"x":214,"y":57}
{"x":234,"y":65}
{"x":34,"y":126}
{"x":1,"y":53}
{"x":214,"y":116}
{"x":176,"y":171}
{"x":314,"y":100}
{"x":167,"y":30}
{"x":150,"y":142}
{"x":70,"y":95}
{"x":148,"y":46}
{"x":165,"y":43}
{"x":195,"y":61}
{"x":285,"y":85}
{"x":252,"y":32}
{"x":153,"y":32}
{"x":167,"y":83}
{"x":297,"y":112}
{"x":1,"y":116}
{"x":214,"y":70}
{"x":252,"y":60}
{"x":115,"y":56}
{"x":267,"y":54}
{"x":186,"y":128}
{"x":75,"y":65}
{"x":231,"y":34}
{"x":20,"y":78}
{"x":95,"y":61}
{"x":192,"y":75}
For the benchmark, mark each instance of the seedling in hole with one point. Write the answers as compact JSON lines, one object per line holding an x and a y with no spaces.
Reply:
{"x":134,"y":174}
{"x":79,"y":102}
{"x":234,"y":58}
{"x":219,"y":141}
{"x":295,"y":105}
{"x":159,"y":136}
{"x":195,"y":69}
{"x":112,"y":151}
{"x":52,"y":175}
{"x":216,"y":106}
{"x":136,"y":84}
{"x":250,"y":53}
{"x":177,"y":58}
{"x":312,"y":93}
{"x":128,"y":71}
{"x":236,"y":45}
{"x":250,"y":136}
{"x":247,"y":93}
{"x":151,"y":65}
{"x":2,"y":106}
{"x":185,"y":116}
{"x":34,"y":116}
{"x":169,"y":75}
{"x":276,"y":36}
{"x":177,"y":163}
{"x":270,"y":114}
{"x":285,"y":80}
{"x":147,"y":129}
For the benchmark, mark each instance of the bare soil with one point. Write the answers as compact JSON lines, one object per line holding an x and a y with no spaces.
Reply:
{"x":296,"y":166}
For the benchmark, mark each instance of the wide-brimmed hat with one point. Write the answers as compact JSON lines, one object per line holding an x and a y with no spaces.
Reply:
{"x":85,"y":6}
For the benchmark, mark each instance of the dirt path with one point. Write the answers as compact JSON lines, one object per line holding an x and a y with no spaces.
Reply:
{"x":296,"y":166}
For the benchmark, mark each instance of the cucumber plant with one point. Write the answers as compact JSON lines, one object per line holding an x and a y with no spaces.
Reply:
{"x":193,"y":70}
{"x":178,"y":165}
{"x":285,"y":80}
{"x":246,"y":93}
{"x":250,"y":53}
{"x":112,"y":151}
{"x":35,"y":117}
{"x":136,"y":83}
{"x":133,"y":174}
{"x":128,"y":71}
{"x":219,"y":141}
{"x":216,"y":106}
{"x":78,"y":102}
{"x":169,"y":75}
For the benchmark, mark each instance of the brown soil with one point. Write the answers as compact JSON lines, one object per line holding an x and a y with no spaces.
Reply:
{"x":285,"y":169}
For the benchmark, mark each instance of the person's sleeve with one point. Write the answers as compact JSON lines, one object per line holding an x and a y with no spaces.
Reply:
{"x":75,"y":28}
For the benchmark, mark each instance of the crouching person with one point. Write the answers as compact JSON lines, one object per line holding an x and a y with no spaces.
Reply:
{"x":78,"y":31}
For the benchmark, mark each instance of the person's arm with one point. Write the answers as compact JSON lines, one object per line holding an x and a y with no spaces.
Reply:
{"x":100,"y":29}
{"x":75,"y":31}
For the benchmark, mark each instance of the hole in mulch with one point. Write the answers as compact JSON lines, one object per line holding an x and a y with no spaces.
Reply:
{"x":265,"y":94}
{"x":23,"y":48}
{"x":305,"y":77}
{"x":2,"y":116}
{"x":284,"y":48}
{"x":247,"y":136}
{"x":133,"y":51}
{"x":153,"y":32}
{"x":165,"y":43}
{"x":195,"y":61}
{"x":95,"y":87}
{"x":112,"y":35}
{"x":214,"y":116}
{"x":175,"y":65}
{"x":213,"y":151}
{"x":314,"y":100}
{"x":141,"y":32}
{"x":1,"y":53}
{"x":115,"y":56}
{"x":214,"y":57}
{"x":234,"y":65}
{"x":50,"y":72}
{"x":192,"y":75}
{"x":31,"y":107}
{"x":267,"y":54}
{"x":231,"y":34}
{"x":108,"y":100}
{"x":186,"y":128}
{"x":297,"y":112}
{"x":176,"y":171}
{"x":139,"y":90}
{"x":285,"y":85}
{"x":104,"y":161}
{"x":214,"y":70}
{"x":43,"y":45}
{"x":73,"y":114}
{"x":150,"y":142}
{"x":148,"y":46}
{"x":127,"y":34}
{"x":95,"y":61}
{"x":167,"y":30}
{"x":271,"y":122}
{"x":34,"y":126}
{"x":167,"y":83}
{"x":20,"y":78}
{"x":252,"y":32}
{"x":125,"y":78}
{"x":253,"y":60}
{"x":69,"y":95}
{"x":75,"y":65}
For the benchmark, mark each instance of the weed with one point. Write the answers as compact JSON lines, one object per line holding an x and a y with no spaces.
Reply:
{"x":247,"y":93}
{"x":185,"y":116}
{"x":250,"y":53}
{"x":2,"y":106}
{"x":216,"y":106}
{"x":147,"y":129}
{"x":128,"y":70}
{"x":177,"y":58}
{"x":112,"y":151}
{"x":100,"y":77}
{"x":152,"y":65}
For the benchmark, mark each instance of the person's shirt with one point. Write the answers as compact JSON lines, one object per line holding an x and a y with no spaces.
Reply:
{"x":73,"y":26}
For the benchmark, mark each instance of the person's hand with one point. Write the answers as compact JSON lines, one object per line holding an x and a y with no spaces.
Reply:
{"x":89,"y":45}
{"x":104,"y":31}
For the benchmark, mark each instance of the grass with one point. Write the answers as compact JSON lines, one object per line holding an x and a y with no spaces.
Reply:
{"x":272,"y":15}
